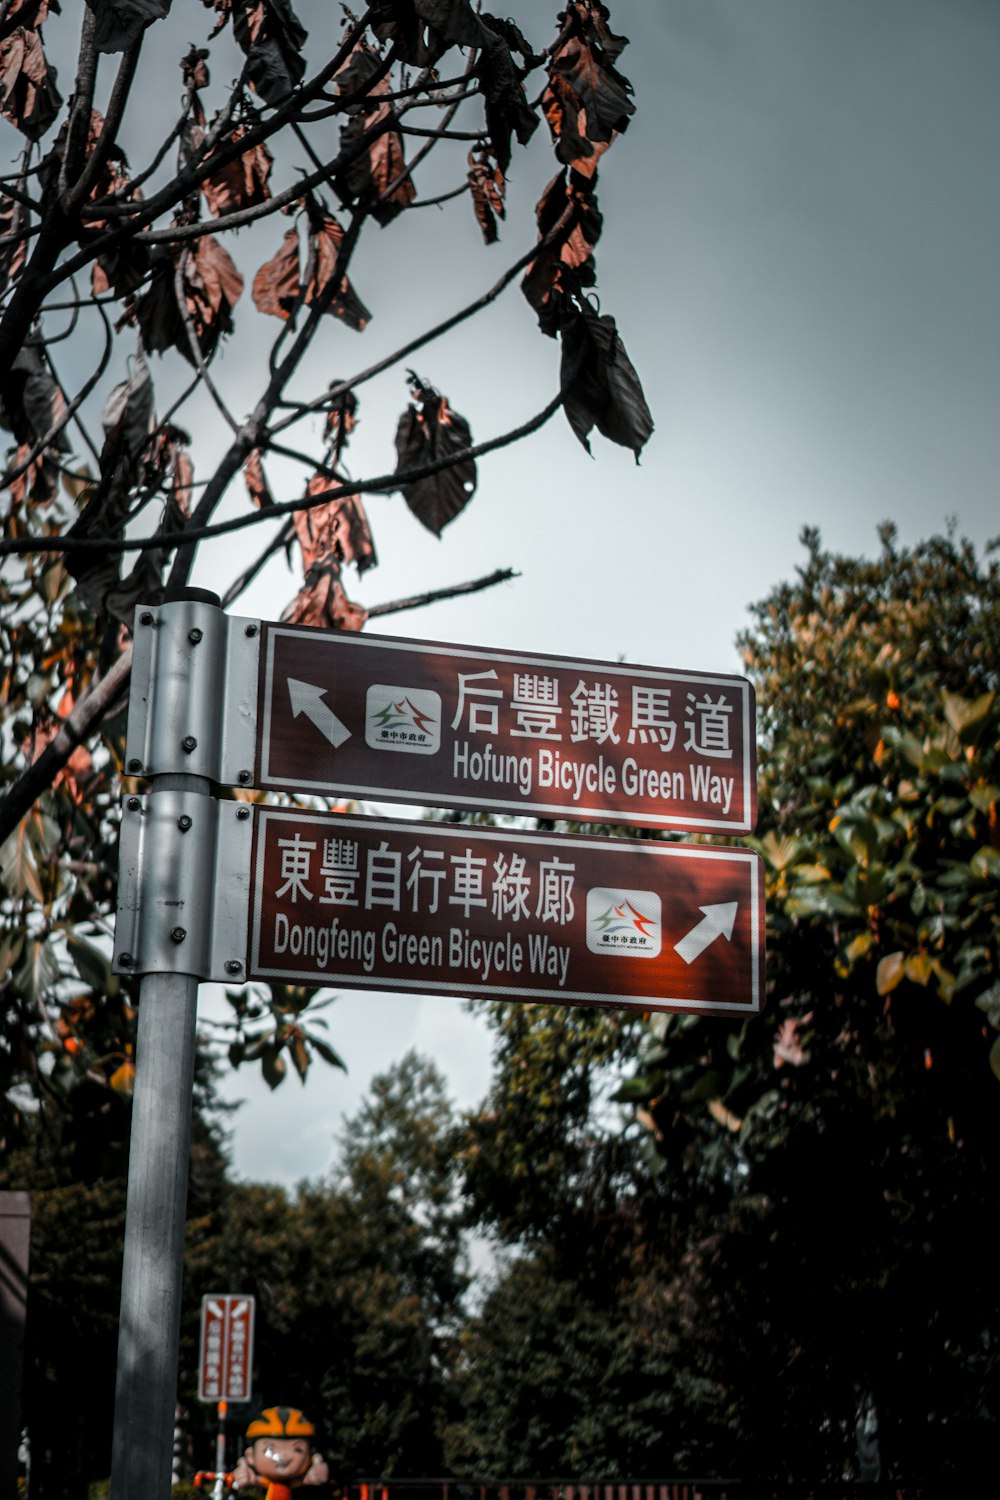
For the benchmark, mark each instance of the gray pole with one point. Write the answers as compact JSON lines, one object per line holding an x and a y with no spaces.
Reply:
{"x":183,"y":883}
{"x":156,"y":1205}
{"x":146,"y":1387}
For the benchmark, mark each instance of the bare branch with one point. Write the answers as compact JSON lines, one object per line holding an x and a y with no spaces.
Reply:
{"x":241,"y":584}
{"x":78,"y":124}
{"x":444,"y":135}
{"x":19,"y":196}
{"x":441,"y":197}
{"x":106,"y":140}
{"x":417,"y":601}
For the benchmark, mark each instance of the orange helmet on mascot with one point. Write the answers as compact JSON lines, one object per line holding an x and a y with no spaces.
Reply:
{"x":281,"y":1422}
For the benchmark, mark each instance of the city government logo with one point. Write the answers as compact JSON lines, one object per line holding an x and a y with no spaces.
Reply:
{"x":624,"y":922}
{"x":401,"y":718}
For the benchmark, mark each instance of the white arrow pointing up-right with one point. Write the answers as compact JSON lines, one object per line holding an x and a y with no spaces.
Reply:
{"x":307,"y":699}
{"x":717,"y":921}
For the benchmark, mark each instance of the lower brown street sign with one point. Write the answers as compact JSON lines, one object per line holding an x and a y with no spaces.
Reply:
{"x":367,"y":903}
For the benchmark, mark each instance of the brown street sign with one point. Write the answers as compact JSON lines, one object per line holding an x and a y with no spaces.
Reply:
{"x":401,"y":905}
{"x":470,"y":727}
{"x":225,"y":1362}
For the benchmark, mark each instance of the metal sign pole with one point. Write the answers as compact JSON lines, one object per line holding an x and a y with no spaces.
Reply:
{"x":219,"y":1488}
{"x":146,"y":1387}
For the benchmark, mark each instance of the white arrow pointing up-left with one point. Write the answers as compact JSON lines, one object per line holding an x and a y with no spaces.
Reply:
{"x":717,"y":921}
{"x":307,"y":699}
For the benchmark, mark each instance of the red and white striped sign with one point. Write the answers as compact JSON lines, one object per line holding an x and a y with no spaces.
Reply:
{"x":225,"y":1365}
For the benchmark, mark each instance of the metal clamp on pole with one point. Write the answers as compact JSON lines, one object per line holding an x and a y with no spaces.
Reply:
{"x":193,"y":703}
{"x":183,"y":886}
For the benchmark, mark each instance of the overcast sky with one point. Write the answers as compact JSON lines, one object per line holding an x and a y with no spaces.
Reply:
{"x":801,"y":241}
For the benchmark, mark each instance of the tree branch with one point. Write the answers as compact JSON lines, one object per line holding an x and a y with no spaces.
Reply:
{"x":86,"y":715}
{"x":417,"y":601}
{"x":102,"y":147}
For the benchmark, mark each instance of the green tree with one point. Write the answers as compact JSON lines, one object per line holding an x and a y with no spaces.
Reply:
{"x":559,"y":1374}
{"x":833,"y":1162}
{"x":563,"y":1370}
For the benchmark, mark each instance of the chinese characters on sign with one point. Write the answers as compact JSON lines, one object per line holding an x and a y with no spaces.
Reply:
{"x":467,"y":727}
{"x":226,"y":1358}
{"x":414,"y":906}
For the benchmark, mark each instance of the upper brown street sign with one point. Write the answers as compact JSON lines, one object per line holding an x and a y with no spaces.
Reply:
{"x":470,"y":727}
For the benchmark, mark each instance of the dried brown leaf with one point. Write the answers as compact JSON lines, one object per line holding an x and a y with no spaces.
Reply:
{"x":12,"y":256}
{"x":322,"y":602}
{"x":429,"y":431}
{"x":211,"y":287}
{"x":128,"y":416}
{"x":600,"y":386}
{"x":276,"y":285}
{"x":128,"y":422}
{"x":256,"y":481}
{"x":272,"y":38}
{"x":31,"y":14}
{"x":29,"y":98}
{"x":568,"y":126}
{"x":120,"y":23}
{"x":338,"y":530}
{"x":31,"y":403}
{"x":183,"y":482}
{"x":241,"y":183}
{"x":487,"y":185}
{"x":326,"y":237}
{"x":507,"y":110}
{"x":421,"y":30}
{"x":375,"y":176}
{"x":566,"y":264}
{"x":194,"y":68}
{"x":585,"y":65}
{"x":39,"y":484}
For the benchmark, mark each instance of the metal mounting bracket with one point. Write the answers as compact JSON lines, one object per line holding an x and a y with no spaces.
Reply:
{"x":193,"y":701}
{"x":183,"y":886}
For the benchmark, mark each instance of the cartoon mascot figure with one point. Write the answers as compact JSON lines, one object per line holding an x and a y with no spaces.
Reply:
{"x":279,"y":1455}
